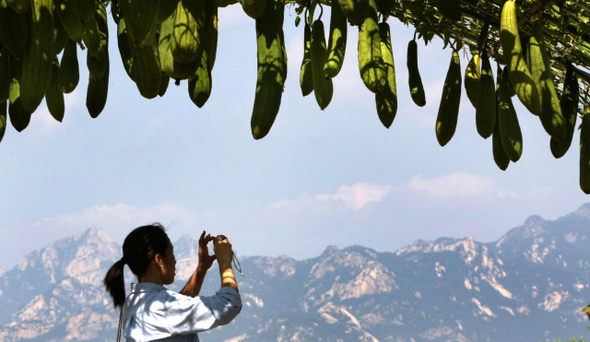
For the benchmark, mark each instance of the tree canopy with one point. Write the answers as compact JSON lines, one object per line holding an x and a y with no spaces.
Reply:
{"x":159,"y":41}
{"x":566,"y":27}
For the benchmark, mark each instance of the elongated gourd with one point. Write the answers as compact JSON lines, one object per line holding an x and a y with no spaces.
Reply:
{"x":370,"y":59}
{"x":272,"y":68}
{"x":37,"y":60}
{"x":14,"y":31}
{"x":472,"y":77}
{"x":140,"y":18}
{"x":60,"y":36}
{"x":54,"y":97}
{"x":473,"y":70}
{"x":124,"y":46}
{"x":306,"y":72}
{"x":164,"y":81}
{"x":414,"y":79}
{"x":86,"y":8}
{"x":336,"y":41}
{"x":68,"y":14}
{"x":5,"y":74}
{"x":212,"y":33}
{"x":506,"y":75}
{"x":500,"y":156}
{"x":510,"y":133}
{"x":569,"y":108}
{"x":448,"y":111}
{"x":146,"y":70}
{"x":174,"y":69}
{"x":485,"y":113}
{"x":97,"y":64}
{"x":323,"y":88}
{"x":201,"y":84}
{"x":92,"y":37}
{"x":386,"y":99}
{"x":540,"y":66}
{"x":520,"y":76}
{"x":19,"y":116}
{"x":97,"y":93}
{"x":69,"y":71}
{"x":585,"y":151}
{"x":385,"y":7}
{"x":254,"y":8}
{"x":3,"y":113}
{"x":188,"y":32}
{"x":355,"y":10}
{"x":165,"y":10}
{"x":19,"y":6}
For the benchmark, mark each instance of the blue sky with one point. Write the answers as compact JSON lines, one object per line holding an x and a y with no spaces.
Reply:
{"x":332,"y":177}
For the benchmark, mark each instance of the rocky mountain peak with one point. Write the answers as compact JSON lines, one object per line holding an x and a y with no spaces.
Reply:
{"x":533,"y":227}
{"x":329,"y":251}
{"x":467,"y":247}
{"x":186,"y":250}
{"x":353,"y":258}
{"x":583,"y":211}
{"x":282,"y":266}
{"x":466,"y":244}
{"x":80,"y":256}
{"x":95,"y":250}
{"x":416,"y":246}
{"x":185,"y":244}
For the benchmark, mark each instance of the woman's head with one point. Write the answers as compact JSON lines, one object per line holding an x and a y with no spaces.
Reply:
{"x":140,"y":249}
{"x":142,"y":245}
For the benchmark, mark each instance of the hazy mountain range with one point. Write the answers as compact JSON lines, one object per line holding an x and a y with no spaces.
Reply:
{"x":530,"y":285}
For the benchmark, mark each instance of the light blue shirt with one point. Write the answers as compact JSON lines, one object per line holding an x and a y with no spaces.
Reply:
{"x":152,"y":312}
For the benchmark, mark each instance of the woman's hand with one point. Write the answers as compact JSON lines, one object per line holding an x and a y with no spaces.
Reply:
{"x":224,"y":253}
{"x":205,"y":260}
{"x":194,"y":284}
{"x":222,"y":249}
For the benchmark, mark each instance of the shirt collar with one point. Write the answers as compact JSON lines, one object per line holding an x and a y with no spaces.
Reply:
{"x":146,"y":287}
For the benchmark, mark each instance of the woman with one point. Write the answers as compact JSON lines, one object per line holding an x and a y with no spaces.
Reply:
{"x":151,"y":312}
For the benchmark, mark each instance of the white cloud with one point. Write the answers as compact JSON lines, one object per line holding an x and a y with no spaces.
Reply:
{"x":357,"y":196}
{"x":120,"y":215}
{"x":455,"y":185}
{"x":352,"y":197}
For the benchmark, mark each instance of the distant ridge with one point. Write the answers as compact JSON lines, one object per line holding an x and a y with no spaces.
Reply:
{"x":529,"y":285}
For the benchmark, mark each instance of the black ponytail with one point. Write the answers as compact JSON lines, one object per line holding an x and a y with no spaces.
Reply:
{"x":114,"y":282}
{"x":139,"y":249}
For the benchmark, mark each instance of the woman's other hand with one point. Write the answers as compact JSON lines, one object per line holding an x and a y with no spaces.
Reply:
{"x":205,"y":260}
